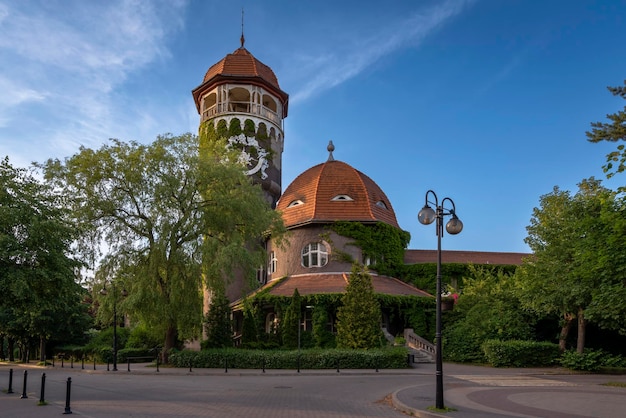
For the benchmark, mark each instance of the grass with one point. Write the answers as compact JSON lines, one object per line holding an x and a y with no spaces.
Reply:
{"x":444,"y":409}
{"x":615,"y":384}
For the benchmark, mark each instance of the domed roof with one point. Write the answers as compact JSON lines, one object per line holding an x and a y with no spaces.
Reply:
{"x":242,"y":63}
{"x":334,"y":191}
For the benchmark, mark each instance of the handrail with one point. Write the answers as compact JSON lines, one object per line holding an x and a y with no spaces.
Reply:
{"x":415,"y":341}
{"x":257,"y":109}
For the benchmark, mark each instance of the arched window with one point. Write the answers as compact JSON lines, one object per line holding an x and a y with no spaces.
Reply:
{"x":271,"y":265}
{"x":314,"y":255}
{"x":271,"y":323}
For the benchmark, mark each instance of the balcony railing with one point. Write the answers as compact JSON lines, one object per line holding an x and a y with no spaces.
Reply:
{"x":241,"y":107}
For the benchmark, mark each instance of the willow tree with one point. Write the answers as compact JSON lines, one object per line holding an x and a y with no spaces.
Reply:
{"x":170,"y":215}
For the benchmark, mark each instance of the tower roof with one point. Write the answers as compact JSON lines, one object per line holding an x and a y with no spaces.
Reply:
{"x":334,"y":191}
{"x":241,"y":67}
{"x":241,"y":63}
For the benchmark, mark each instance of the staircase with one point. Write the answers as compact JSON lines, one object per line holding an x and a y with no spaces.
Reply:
{"x":423,"y":350}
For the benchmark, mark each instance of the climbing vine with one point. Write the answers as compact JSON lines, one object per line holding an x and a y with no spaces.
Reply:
{"x":382,"y":243}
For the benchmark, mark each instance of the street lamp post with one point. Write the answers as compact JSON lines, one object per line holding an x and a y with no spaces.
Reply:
{"x":104,"y":292}
{"x":426,"y":216}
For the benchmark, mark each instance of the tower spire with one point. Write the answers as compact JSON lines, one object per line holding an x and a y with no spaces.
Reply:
{"x":243,"y":39}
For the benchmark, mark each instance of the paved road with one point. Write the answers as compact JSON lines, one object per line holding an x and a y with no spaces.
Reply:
{"x":475,"y":392}
{"x":202,"y":393}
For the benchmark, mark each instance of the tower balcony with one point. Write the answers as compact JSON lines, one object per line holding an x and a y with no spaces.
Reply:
{"x":242,"y":107}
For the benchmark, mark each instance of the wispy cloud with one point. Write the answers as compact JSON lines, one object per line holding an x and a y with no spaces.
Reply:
{"x":70,"y":57}
{"x":331,"y":69}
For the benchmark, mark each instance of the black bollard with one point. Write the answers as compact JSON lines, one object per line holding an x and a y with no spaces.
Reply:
{"x":94,"y":362}
{"x":337,"y":365}
{"x":24,"y":395}
{"x":190,"y":361}
{"x":72,"y":362}
{"x":62,"y":362}
{"x":107,"y":365}
{"x":10,"y":390}
{"x":82,"y":364}
{"x":298,"y":363}
{"x":263,"y":364}
{"x":128,"y":360}
{"x":52,"y":361}
{"x":157,"y":359}
{"x":42,"y":400}
{"x":225,"y":365}
{"x":67,"y":396}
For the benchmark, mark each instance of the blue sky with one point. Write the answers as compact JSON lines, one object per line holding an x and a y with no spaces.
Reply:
{"x":484,"y":101}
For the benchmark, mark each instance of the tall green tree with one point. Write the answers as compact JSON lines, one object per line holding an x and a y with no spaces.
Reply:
{"x":38,"y":272}
{"x":572,"y":262}
{"x":359,"y":317}
{"x":487,"y":309}
{"x":217,"y":322}
{"x":613,"y":131}
{"x":173,"y":216}
{"x":292,"y":321}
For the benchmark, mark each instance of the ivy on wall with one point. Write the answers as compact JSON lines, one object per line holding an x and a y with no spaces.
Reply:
{"x":381,"y":242}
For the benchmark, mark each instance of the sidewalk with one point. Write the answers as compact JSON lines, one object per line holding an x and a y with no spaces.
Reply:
{"x":484,"y":392}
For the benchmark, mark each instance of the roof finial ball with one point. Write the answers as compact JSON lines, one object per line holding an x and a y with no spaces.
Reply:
{"x":330,"y":149}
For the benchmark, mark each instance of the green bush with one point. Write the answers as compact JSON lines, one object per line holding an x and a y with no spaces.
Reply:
{"x":516,"y":353}
{"x":462,"y":346}
{"x":147,"y":354}
{"x":142,"y":337}
{"x":100,"y":344}
{"x":591,"y":360}
{"x":69,"y":351}
{"x":389,"y":358}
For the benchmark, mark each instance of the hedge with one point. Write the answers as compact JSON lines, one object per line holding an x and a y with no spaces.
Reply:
{"x":389,"y":358}
{"x":516,"y":353}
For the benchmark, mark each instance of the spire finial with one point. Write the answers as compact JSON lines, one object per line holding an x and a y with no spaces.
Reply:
{"x":330,"y":148}
{"x":243,"y":39}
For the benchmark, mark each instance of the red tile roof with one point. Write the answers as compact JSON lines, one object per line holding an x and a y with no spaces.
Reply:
{"x":241,"y":63}
{"x":308,"y":284}
{"x":240,"y":66}
{"x":464,"y":257}
{"x":316,"y":188}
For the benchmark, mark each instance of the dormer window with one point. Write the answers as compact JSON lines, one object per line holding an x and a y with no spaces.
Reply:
{"x":342,"y":198}
{"x":381,"y":204}
{"x":295,"y":203}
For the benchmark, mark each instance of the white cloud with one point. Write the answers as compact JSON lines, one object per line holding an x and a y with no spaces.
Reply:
{"x":72,"y":56}
{"x":329,"y":70}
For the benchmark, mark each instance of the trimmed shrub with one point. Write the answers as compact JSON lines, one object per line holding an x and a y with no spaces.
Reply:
{"x":390,"y":358}
{"x":591,"y":360}
{"x":516,"y":353}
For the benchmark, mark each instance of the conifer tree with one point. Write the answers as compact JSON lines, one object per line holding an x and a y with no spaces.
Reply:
{"x":358,"y":319}
{"x":291,"y":321}
{"x":218,"y":325}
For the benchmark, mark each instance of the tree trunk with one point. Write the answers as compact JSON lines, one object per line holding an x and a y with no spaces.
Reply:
{"x":11,"y":349}
{"x":42,"y":349}
{"x":582,"y":324}
{"x":170,"y":342}
{"x":567,"y":325}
